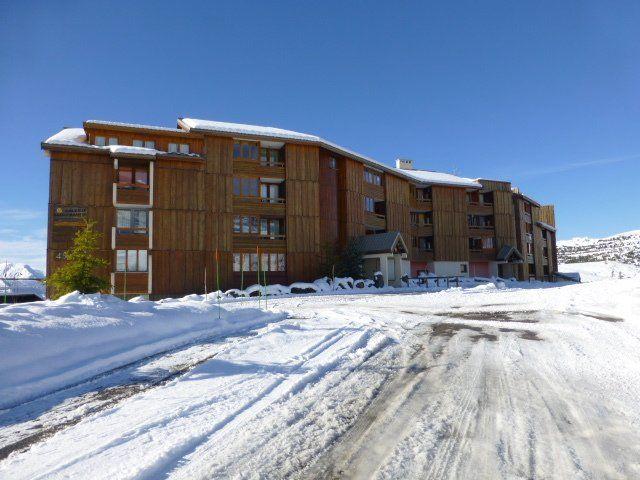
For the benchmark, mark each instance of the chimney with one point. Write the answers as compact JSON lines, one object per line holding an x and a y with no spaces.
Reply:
{"x":404,"y":164}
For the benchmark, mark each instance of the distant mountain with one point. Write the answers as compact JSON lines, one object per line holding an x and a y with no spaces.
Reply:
{"x":24,"y":286}
{"x":19,"y":270}
{"x":623,"y":248}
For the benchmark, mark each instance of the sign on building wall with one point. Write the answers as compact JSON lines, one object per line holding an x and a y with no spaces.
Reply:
{"x":69,"y":215}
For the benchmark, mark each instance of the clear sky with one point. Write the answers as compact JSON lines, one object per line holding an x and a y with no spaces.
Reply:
{"x":542,"y":93}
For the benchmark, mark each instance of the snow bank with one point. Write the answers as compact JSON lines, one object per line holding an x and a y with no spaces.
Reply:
{"x":48,"y":345}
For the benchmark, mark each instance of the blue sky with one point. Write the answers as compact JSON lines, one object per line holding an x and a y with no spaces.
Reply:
{"x":543,"y":93}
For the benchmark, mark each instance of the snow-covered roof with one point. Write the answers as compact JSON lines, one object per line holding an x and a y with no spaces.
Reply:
{"x":77,"y":137}
{"x":439,"y":178}
{"x":69,"y":136}
{"x":242,"y":129}
{"x":133,"y":125}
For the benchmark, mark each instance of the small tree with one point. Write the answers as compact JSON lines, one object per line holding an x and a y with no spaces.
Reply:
{"x":350,"y":262}
{"x":341,"y":262}
{"x":78,"y":273}
{"x":329,"y":259}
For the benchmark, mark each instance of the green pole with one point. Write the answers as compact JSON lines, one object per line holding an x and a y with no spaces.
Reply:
{"x":218,"y":279}
{"x":266,"y":292}
{"x":258,"y":255}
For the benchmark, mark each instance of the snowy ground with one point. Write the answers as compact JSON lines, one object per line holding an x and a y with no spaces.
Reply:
{"x":464,"y":383}
{"x":604,"y":270}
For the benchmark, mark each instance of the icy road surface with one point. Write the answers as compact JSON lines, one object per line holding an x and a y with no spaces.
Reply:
{"x":475,"y":383}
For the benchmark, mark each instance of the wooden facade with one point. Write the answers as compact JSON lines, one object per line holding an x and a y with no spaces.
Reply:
{"x":200,"y":222}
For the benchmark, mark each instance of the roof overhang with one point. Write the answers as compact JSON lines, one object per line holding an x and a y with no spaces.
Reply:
{"x":546,"y":226}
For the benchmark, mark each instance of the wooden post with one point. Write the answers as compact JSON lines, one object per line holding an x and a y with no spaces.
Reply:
{"x":205,"y":281}
{"x":259,"y":295}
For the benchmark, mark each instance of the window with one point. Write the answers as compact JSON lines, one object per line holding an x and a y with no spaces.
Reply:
{"x":245,"y":224}
{"x":270,"y":262}
{"x":246,"y":150}
{"x":132,"y":221}
{"x":527,"y":207}
{"x":473,"y":198}
{"x":369,"y":204}
{"x":475,"y":243}
{"x":131,"y":260}
{"x":113,"y":140}
{"x":144,"y":143}
{"x":480,"y":221}
{"x":246,"y":187}
{"x":487,"y":198}
{"x":270,"y":192}
{"x":133,"y":176}
{"x":423,"y":194}
{"x":463,"y":268}
{"x":423,"y":243}
{"x":177,"y":148}
{"x":100,"y":141}
{"x":373,"y":178}
{"x":421,"y":218}
{"x":488,"y":242}
{"x":269,"y":157}
{"x":332,"y":163}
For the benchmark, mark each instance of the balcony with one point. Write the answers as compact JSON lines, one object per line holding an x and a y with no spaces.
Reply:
{"x":244,"y":240}
{"x":242,"y":203}
{"x":530,"y":258}
{"x":266,"y":168}
{"x":131,"y":194}
{"x":132,"y":238}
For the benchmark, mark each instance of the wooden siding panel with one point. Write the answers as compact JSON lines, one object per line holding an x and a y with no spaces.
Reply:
{"x":451,"y":237}
{"x":302,"y":211}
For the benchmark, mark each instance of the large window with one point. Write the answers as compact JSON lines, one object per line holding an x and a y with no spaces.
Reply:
{"x":267,"y":227}
{"x":369,"y":204}
{"x":480,"y":221}
{"x":133,"y":176}
{"x":132,"y":221}
{"x":131,"y":260}
{"x":372,"y":177}
{"x":100,"y":141}
{"x":269,"y":262}
{"x":246,"y":187}
{"x":246,"y":150}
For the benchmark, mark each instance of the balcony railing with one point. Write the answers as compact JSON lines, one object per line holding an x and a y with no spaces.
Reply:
{"x":530,"y":258}
{"x":259,"y":200}
{"x":132,"y":193}
{"x":482,"y":227}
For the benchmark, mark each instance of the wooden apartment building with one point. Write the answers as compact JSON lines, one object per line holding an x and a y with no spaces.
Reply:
{"x":169,"y":200}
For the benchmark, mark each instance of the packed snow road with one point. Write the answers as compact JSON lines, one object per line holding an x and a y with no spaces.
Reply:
{"x":466,"y":383}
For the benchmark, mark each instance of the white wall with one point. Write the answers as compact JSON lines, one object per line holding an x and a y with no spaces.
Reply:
{"x":444,"y":269}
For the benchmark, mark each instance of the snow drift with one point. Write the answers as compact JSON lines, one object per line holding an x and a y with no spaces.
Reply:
{"x":48,"y":345}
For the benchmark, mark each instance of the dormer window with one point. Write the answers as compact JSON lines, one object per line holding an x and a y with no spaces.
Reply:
{"x":184,"y":148}
{"x":100,"y":141}
{"x":113,"y":140}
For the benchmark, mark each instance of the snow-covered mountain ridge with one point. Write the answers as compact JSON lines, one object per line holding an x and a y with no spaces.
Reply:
{"x":623,"y":247}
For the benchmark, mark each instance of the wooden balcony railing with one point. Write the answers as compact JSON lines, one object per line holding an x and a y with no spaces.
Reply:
{"x":132,"y":193}
{"x":258,"y":200}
